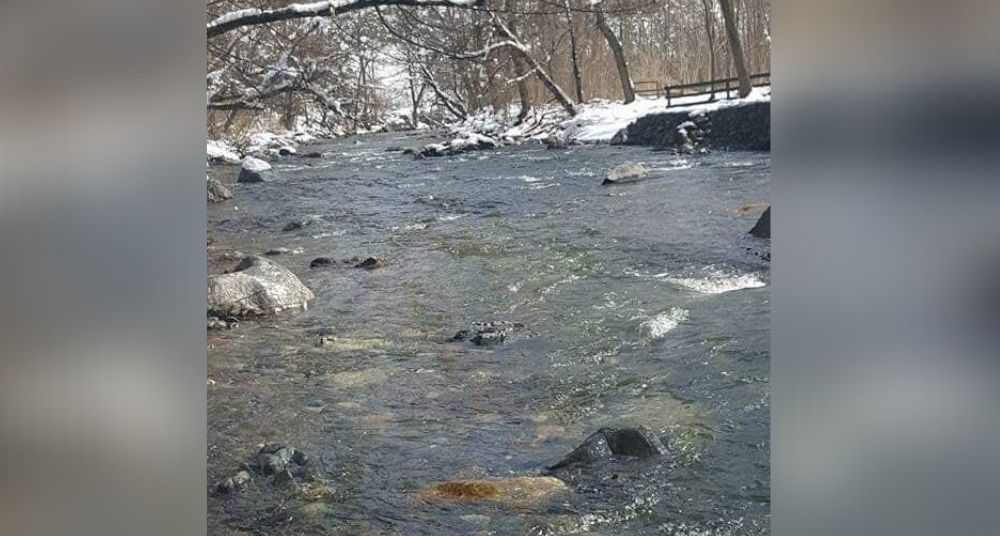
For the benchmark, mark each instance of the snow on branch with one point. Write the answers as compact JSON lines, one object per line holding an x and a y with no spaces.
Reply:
{"x":251,"y":17}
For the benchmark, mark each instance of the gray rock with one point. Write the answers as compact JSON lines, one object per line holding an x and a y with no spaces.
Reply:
{"x":762,"y":229}
{"x":608,"y":443}
{"x":553,"y":141}
{"x":256,"y":286}
{"x":217,"y":191}
{"x":483,"y":333}
{"x":313,"y":154}
{"x":234,"y":483}
{"x":620,"y":137}
{"x":626,"y":173}
{"x":255,"y":170}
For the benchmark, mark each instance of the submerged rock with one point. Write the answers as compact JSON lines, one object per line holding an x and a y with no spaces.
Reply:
{"x":276,"y":460}
{"x":482,"y":333}
{"x":314,"y":154}
{"x":608,"y":443}
{"x":371,"y":263}
{"x":321,"y":261}
{"x":762,"y":229}
{"x":626,"y":173}
{"x":296,"y":225}
{"x":217,"y":191}
{"x":255,"y":170}
{"x":517,"y":491}
{"x":256,"y":286}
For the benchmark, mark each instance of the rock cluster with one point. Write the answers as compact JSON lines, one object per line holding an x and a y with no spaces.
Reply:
{"x":470,"y":142}
{"x":282,"y":463}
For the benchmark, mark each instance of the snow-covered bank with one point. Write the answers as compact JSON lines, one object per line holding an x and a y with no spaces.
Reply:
{"x":597,"y":121}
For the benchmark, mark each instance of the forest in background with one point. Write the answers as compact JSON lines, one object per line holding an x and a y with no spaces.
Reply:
{"x":335,"y":68}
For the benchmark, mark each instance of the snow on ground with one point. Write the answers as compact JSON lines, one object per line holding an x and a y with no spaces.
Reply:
{"x":599,"y":121}
{"x":220,"y":151}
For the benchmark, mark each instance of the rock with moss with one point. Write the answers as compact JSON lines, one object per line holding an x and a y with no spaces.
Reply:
{"x":517,"y":491}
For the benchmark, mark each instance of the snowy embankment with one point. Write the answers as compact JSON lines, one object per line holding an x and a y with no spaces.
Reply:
{"x":597,"y":121}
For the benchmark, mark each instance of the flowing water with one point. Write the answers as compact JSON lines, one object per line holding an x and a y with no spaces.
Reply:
{"x":641,"y":305}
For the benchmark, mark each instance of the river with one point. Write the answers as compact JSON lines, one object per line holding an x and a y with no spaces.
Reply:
{"x":641,"y":305}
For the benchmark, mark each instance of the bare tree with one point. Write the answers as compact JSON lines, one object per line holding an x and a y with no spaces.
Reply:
{"x":710,"y":30}
{"x":573,"y":52}
{"x":735,"y":48}
{"x":628,"y":90}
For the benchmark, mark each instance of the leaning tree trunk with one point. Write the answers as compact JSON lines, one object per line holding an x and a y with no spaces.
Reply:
{"x":735,"y":49}
{"x":521,"y":50}
{"x":616,"y":48}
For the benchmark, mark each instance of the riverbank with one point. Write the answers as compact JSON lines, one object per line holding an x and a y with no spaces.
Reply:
{"x":726,"y":124}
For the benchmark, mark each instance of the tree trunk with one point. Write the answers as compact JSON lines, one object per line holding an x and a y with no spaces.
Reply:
{"x":574,"y":56}
{"x":616,"y":48}
{"x":520,"y":49}
{"x":735,"y":49}
{"x":710,"y":28}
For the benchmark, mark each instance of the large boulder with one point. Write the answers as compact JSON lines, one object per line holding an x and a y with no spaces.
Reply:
{"x":217,"y":191}
{"x":626,"y":173}
{"x":610,"y":443}
{"x":762,"y":229}
{"x":256,"y":286}
{"x":255,"y":170}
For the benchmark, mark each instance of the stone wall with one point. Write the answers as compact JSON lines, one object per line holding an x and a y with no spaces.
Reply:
{"x":735,"y":128}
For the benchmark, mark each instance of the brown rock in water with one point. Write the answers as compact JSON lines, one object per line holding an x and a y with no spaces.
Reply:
{"x":518,"y":491}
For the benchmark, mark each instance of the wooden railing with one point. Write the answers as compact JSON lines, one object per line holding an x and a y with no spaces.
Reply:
{"x":712,"y":88}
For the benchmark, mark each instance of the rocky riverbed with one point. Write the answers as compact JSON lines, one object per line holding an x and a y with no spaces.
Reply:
{"x":602,"y":310}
